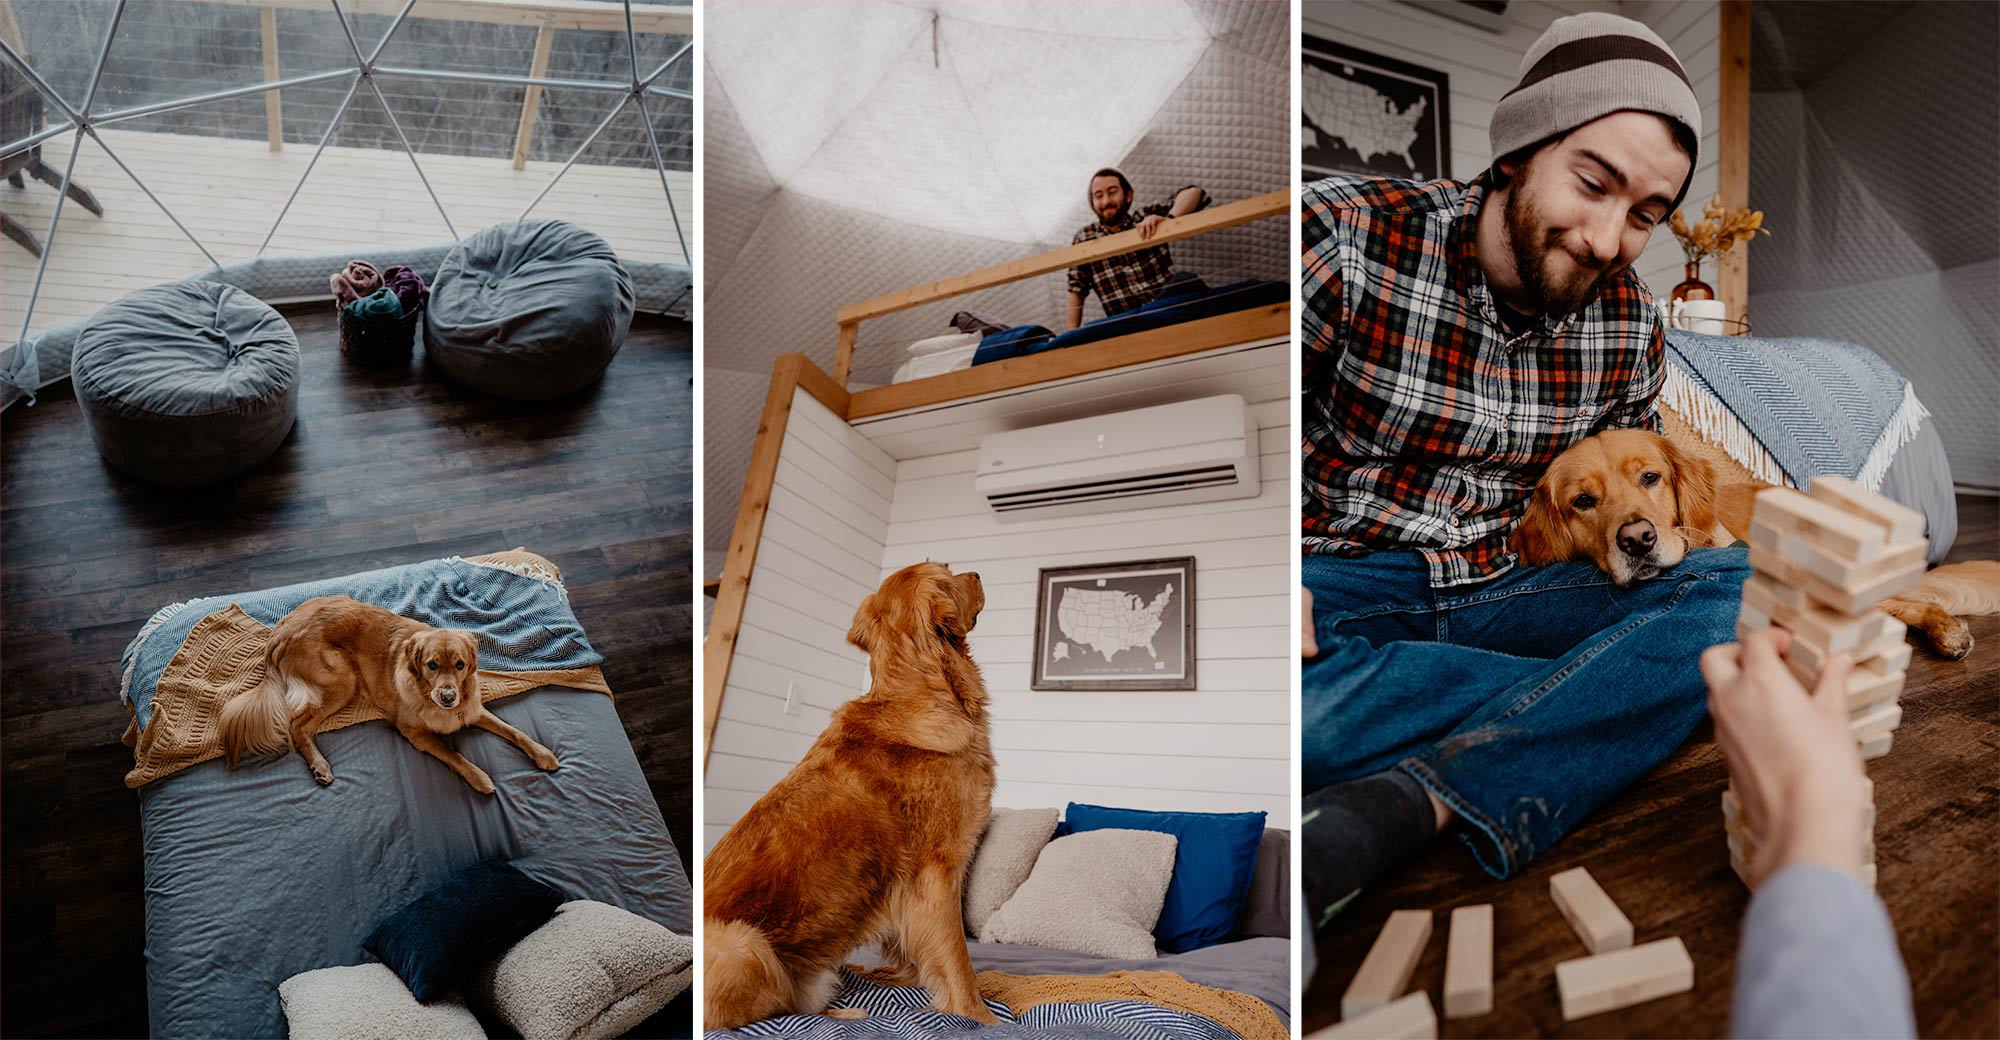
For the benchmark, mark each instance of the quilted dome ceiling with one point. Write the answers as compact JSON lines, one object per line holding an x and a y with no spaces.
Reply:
{"x":856,"y":149}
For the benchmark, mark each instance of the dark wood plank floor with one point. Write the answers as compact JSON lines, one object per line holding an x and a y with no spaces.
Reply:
{"x":383,"y":468}
{"x":1658,"y":850}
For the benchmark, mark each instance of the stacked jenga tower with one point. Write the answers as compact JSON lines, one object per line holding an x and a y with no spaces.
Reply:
{"x":1823,"y":562}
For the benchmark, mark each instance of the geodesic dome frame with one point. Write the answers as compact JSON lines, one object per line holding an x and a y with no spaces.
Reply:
{"x":637,"y":85}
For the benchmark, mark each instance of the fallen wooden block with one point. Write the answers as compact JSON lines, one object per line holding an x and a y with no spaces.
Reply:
{"x":1820,"y":523}
{"x":1597,"y":920}
{"x":1409,"y":1018}
{"x":1621,"y":978}
{"x":1385,"y":972}
{"x":1468,"y":962}
{"x":1899,"y":522}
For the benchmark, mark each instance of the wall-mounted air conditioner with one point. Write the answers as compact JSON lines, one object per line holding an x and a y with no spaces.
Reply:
{"x":1171,"y":454}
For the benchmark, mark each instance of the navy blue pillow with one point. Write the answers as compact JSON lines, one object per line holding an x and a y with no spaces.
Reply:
{"x":1213,"y":863}
{"x":457,"y":927}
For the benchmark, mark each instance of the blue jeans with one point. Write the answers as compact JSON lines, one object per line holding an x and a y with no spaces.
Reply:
{"x":1524,"y":702}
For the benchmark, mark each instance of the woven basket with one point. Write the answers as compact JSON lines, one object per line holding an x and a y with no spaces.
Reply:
{"x":378,"y":342}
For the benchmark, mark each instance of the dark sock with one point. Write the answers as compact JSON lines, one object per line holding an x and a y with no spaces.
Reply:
{"x":1356,"y":831}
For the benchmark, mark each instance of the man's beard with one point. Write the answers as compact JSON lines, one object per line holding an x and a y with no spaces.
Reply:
{"x":1532,"y":247}
{"x":1119,"y":215}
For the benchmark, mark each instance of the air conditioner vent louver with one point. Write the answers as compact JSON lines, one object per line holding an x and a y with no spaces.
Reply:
{"x":1192,"y":451}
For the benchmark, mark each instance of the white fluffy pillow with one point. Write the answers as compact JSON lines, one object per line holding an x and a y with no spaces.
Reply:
{"x":940,"y":344}
{"x":593,"y":970}
{"x":368,"y":1002}
{"x":1098,"y":892}
{"x":1014,"y":837}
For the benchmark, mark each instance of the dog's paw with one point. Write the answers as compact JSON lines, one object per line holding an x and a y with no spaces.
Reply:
{"x":546,"y":761}
{"x":982,"y":1015}
{"x":480,"y":781}
{"x":847,"y":1013}
{"x":323,"y":774}
{"x":1953,"y":641}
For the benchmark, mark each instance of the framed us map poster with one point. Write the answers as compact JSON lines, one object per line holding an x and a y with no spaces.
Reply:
{"x":1372,"y":115}
{"x":1116,"y":626}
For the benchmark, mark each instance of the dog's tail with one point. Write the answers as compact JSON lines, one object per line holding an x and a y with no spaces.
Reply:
{"x":742,"y":979}
{"x":1966,"y":589}
{"x":254,"y":722}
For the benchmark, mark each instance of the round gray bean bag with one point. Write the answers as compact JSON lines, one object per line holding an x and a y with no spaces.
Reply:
{"x":528,"y":311}
{"x":187,"y":383}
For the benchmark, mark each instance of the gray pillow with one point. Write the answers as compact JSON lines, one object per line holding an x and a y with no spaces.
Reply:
{"x":1098,"y":892}
{"x":1014,"y":837}
{"x":367,"y":1002}
{"x":594,"y":970}
{"x":1268,"y":910}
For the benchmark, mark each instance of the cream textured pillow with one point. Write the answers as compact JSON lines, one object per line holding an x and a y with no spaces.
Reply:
{"x":368,"y":1002}
{"x":593,"y":970}
{"x":1014,"y":837}
{"x":1098,"y":892}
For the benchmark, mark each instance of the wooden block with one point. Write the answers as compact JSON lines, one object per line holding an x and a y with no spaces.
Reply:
{"x":1899,"y":522}
{"x":1892,"y":661}
{"x":1828,"y":629}
{"x":1776,"y":592}
{"x":1750,"y":618}
{"x":1846,"y":600}
{"x":1621,"y":978}
{"x":1468,"y":962}
{"x":1878,"y":721}
{"x":1820,"y":523}
{"x":1867,"y":688}
{"x":1597,"y":920}
{"x":1410,"y":1018}
{"x":1878,"y":747}
{"x":1385,"y":972}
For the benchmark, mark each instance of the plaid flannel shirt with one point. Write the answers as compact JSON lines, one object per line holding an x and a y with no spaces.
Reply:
{"x":1129,"y":281}
{"x":1426,"y":422}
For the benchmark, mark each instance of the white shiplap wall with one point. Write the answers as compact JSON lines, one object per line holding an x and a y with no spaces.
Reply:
{"x":821,"y":553}
{"x":1482,"y":67}
{"x":1224,"y":747}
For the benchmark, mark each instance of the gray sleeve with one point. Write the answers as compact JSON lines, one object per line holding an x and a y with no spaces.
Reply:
{"x":1819,"y":959}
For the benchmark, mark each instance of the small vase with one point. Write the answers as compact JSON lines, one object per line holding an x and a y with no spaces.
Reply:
{"x":1693,"y":288}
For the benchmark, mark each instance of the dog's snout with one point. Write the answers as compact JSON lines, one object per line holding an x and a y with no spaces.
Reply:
{"x":447,"y":697}
{"x":1636,"y":538}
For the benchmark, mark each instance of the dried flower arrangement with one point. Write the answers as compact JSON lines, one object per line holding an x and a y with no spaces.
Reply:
{"x":1719,"y":231}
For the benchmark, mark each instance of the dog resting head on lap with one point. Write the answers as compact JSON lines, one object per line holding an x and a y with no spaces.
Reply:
{"x":1628,"y":501}
{"x":868,"y":837}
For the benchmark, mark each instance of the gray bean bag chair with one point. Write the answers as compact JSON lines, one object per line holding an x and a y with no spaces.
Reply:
{"x":528,"y":311}
{"x":187,"y":383}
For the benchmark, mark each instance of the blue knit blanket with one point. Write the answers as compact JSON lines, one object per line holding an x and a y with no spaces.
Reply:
{"x":1817,"y":406}
{"x":522,"y":617}
{"x":905,"y":1012}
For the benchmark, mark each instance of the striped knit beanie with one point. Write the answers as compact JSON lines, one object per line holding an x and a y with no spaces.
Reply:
{"x":1587,"y":66}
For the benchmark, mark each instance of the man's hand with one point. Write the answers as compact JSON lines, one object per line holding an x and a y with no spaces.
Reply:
{"x":1150,"y":225}
{"x":1791,"y":754}
{"x":1308,"y":639}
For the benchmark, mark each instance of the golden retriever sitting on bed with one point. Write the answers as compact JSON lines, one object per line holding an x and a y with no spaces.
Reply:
{"x":1633,"y":503}
{"x":867,"y":839}
{"x":332,"y":649}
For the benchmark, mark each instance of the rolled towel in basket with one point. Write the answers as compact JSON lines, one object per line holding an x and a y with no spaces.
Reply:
{"x":382,"y":303}
{"x":407,"y":286}
{"x":357,"y":279}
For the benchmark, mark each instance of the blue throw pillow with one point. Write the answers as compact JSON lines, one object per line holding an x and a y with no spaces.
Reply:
{"x":457,"y":927}
{"x":1213,"y":864}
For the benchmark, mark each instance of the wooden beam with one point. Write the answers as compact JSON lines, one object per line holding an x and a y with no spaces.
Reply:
{"x":274,"y":116}
{"x":843,"y":351}
{"x":531,"y":102}
{"x":1733,"y":146}
{"x":1190,"y":337}
{"x":10,"y":30}
{"x":1272,"y":204}
{"x":598,"y":15}
{"x":791,"y":372}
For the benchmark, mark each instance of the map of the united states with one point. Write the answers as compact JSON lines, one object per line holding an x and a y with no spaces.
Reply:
{"x":1108,"y":620}
{"x":1359,"y":116}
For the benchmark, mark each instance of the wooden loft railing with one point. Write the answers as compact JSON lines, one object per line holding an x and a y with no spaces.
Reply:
{"x":794,"y":372}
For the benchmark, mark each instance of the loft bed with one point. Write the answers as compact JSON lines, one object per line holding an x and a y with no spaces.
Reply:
{"x":846,"y":484}
{"x":893,"y":412}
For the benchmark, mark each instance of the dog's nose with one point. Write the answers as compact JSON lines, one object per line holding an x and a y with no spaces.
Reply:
{"x":1637,"y":538}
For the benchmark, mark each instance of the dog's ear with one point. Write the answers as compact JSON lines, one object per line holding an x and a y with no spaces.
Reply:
{"x":867,"y":627}
{"x":1694,"y":488}
{"x":1542,"y":537}
{"x":413,"y":652}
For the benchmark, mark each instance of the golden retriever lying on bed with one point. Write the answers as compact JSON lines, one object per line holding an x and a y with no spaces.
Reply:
{"x":332,"y":649}
{"x":1633,"y":503}
{"x":868,"y":837}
